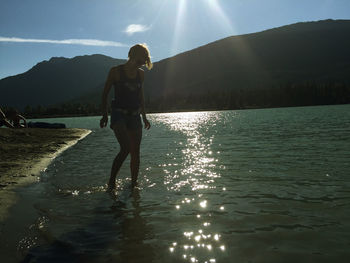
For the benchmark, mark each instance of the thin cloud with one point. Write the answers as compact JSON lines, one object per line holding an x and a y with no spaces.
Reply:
{"x":135,"y":28}
{"x":84,"y":42}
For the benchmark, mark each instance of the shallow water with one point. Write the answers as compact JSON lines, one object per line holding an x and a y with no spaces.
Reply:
{"x":269,"y":185}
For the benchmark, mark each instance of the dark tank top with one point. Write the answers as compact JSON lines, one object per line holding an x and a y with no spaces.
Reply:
{"x":127,"y":91}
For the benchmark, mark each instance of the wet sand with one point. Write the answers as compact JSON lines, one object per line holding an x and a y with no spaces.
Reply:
{"x":24,"y":153}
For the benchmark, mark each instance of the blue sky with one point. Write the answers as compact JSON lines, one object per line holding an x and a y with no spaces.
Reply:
{"x":35,"y":30}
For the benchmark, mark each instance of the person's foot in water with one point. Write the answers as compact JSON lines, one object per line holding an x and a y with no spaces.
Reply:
{"x":134,"y":184}
{"x":111,"y":185}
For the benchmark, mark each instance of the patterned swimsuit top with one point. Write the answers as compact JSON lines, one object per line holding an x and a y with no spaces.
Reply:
{"x":127,"y":91}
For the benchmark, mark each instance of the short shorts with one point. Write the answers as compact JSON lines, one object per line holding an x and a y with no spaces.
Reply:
{"x":130,"y":119}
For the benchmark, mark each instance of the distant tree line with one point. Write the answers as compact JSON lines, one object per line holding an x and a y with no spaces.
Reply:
{"x":62,"y":110}
{"x":290,"y":95}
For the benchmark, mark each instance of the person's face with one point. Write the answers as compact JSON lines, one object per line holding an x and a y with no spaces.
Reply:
{"x":140,"y":61}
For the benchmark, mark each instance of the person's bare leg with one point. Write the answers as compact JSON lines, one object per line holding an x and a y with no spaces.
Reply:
{"x":121,"y":133}
{"x":135,"y":136}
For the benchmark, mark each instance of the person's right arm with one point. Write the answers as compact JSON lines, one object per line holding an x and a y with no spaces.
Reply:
{"x":112,"y":77}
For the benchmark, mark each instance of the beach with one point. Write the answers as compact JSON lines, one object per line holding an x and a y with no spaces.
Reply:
{"x":24,"y":153}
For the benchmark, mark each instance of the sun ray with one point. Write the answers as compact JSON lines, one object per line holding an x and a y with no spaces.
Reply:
{"x":223,"y":19}
{"x":226,"y":22}
{"x":179,"y":26}
{"x":236,"y":47}
{"x":171,"y":66}
{"x":159,"y":12}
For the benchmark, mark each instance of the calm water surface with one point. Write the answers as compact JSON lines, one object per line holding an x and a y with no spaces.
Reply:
{"x":268,"y":185}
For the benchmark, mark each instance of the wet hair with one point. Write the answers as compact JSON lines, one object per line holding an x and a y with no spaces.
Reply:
{"x":140,"y":51}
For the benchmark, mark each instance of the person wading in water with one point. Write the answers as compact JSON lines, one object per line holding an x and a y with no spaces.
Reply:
{"x":127,"y":105}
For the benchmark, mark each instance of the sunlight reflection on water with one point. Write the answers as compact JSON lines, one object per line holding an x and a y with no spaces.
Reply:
{"x":196,"y":169}
{"x":197,"y":163}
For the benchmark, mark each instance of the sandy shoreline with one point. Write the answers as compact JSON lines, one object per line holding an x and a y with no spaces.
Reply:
{"x":24,"y":153}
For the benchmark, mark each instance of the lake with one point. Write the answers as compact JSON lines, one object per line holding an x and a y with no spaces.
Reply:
{"x":266,"y":185}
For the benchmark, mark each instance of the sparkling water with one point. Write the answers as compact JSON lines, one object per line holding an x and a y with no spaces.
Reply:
{"x":269,"y":185}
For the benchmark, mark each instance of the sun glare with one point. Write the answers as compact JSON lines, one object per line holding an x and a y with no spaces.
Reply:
{"x":228,"y":25}
{"x":221,"y":16}
{"x":191,"y":16}
{"x":187,"y":11}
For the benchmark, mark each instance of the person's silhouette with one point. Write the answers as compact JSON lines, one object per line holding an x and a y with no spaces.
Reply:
{"x":127,"y":106}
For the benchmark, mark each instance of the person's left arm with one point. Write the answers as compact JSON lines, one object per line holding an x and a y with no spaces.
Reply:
{"x":142,"y":100}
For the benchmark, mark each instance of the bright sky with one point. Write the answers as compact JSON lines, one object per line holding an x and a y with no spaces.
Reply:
{"x":35,"y":30}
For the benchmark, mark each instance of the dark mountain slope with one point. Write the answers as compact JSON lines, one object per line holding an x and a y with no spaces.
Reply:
{"x":317,"y":51}
{"x":56,"y":80}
